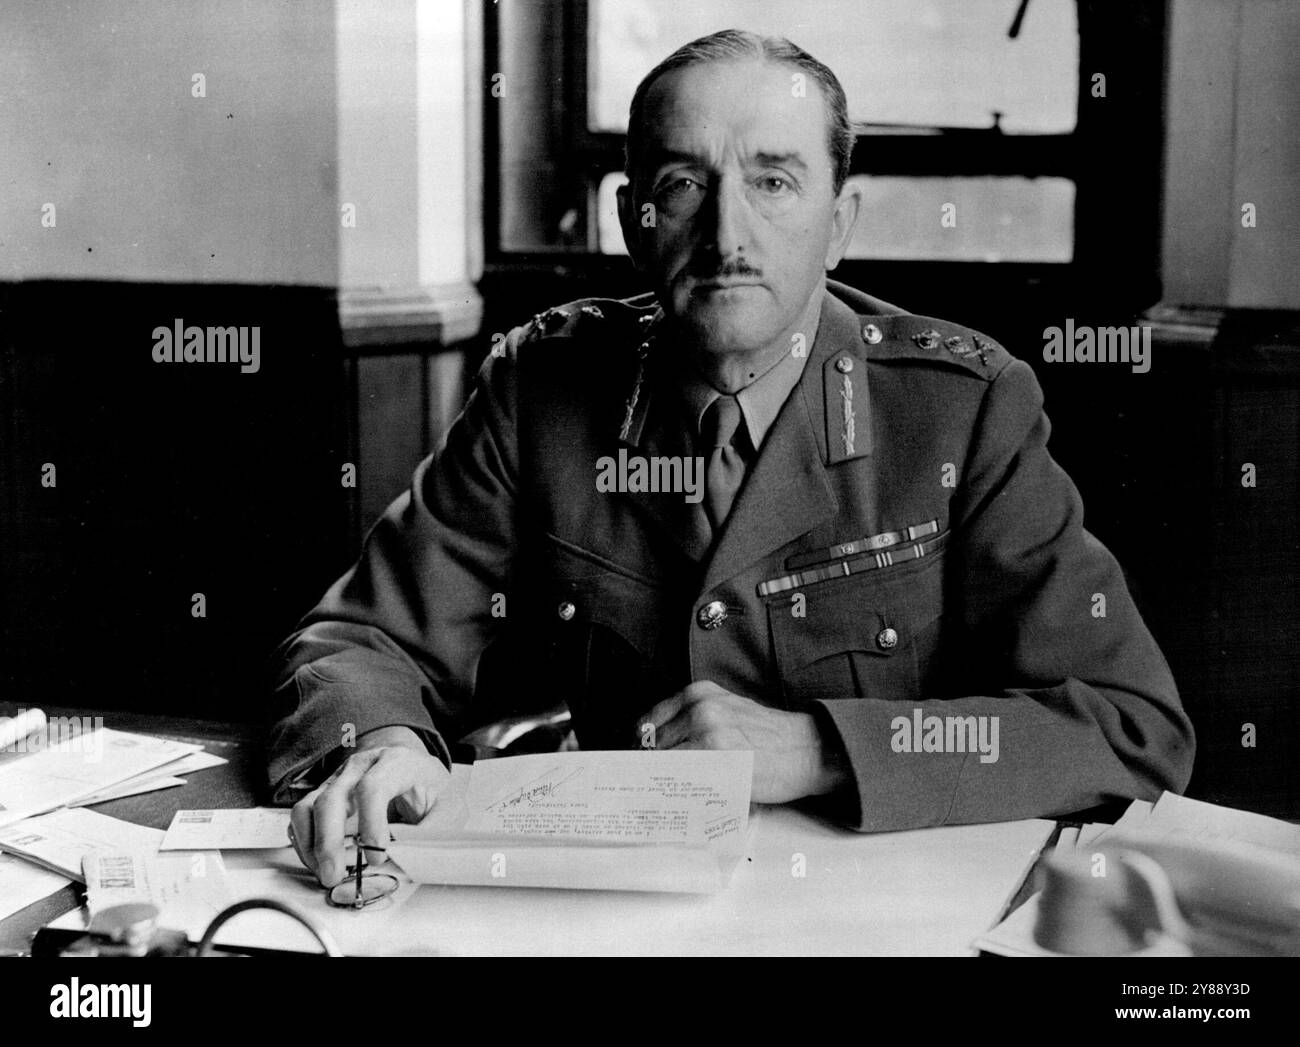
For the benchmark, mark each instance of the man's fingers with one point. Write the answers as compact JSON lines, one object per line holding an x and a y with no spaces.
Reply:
{"x":330,"y":815}
{"x":418,"y":800}
{"x":387,"y":778}
{"x":300,"y":830}
{"x":675,"y":732}
{"x":650,"y":727}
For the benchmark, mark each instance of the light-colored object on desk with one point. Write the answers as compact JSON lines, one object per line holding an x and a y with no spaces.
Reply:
{"x":189,"y":890}
{"x":15,"y":728}
{"x":22,"y":883}
{"x":1228,"y":839}
{"x":1014,"y":936}
{"x":163,"y":777}
{"x":135,"y":787}
{"x":926,"y":892}
{"x":61,"y":839}
{"x":252,"y":828}
{"x":1066,"y":841}
{"x":77,"y":767}
{"x":1177,"y":817}
{"x":623,"y":821}
{"x":280,"y":875}
{"x":802,"y":888}
{"x":196,"y":761}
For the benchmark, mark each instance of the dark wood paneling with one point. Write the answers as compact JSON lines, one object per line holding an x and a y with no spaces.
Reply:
{"x":172,"y":479}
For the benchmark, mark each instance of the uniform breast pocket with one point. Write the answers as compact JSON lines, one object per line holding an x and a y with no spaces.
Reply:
{"x":602,"y":624}
{"x":868,"y":635}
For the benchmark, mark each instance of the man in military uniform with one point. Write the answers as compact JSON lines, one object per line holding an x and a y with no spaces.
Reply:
{"x":881,"y":542}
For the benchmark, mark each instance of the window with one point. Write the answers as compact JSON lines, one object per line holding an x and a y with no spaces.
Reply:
{"x":950,"y":107}
{"x":922,"y":64}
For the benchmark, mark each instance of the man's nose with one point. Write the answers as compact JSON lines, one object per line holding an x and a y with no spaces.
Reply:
{"x":727,"y":218}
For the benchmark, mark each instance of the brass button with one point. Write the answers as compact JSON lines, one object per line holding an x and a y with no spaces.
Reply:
{"x":712,"y":614}
{"x":887,"y":639}
{"x":566,"y":611}
{"x":844,"y":364}
{"x":872,"y":335}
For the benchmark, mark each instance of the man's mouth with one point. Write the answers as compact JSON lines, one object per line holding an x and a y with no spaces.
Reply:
{"x":727,"y":283}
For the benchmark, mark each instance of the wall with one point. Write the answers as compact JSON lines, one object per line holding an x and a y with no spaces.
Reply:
{"x":1234,"y":106}
{"x":149,"y":182}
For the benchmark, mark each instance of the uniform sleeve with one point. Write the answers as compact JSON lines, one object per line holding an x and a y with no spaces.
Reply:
{"x":1086,"y":708}
{"x":397,"y":640}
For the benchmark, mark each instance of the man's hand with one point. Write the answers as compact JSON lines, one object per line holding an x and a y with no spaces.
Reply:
{"x":791,"y":757}
{"x":391,"y":776}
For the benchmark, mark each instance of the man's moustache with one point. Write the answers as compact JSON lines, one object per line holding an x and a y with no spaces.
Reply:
{"x":725,"y":272}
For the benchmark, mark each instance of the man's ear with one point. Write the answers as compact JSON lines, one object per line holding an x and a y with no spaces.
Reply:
{"x":628,"y":221}
{"x":848,"y":208}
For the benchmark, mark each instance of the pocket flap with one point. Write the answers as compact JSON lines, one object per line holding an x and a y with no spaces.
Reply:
{"x":876,"y":613}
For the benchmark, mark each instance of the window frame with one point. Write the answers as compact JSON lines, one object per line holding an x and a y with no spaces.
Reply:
{"x":1115,"y":203}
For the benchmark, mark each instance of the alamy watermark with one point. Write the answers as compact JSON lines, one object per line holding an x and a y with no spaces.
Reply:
{"x":72,"y":734}
{"x":208,"y":345}
{"x":1103,"y":345}
{"x":655,"y":475}
{"x":946,"y":734}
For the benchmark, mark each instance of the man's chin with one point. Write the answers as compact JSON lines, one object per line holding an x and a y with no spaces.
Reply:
{"x":727,"y":323}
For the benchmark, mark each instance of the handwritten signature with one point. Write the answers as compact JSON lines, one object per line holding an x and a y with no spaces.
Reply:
{"x":540,"y":788}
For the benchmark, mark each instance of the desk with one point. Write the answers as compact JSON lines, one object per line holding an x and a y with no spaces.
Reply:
{"x":234,"y":784}
{"x":835,"y":908}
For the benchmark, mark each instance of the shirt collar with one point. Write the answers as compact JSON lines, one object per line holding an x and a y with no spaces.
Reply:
{"x":760,"y":401}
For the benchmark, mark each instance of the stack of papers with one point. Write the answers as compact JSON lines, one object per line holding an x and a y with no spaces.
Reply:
{"x":90,"y":768}
{"x":46,"y":773}
{"x":189,"y":890}
{"x":60,"y":840}
{"x":1174,"y":820}
{"x":623,"y":821}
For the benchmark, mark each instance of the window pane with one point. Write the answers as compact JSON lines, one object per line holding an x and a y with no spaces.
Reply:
{"x":993,"y":219}
{"x":927,"y":63}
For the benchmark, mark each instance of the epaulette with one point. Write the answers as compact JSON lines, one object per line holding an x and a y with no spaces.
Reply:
{"x":906,"y":336}
{"x":623,"y":327}
{"x":612,"y":315}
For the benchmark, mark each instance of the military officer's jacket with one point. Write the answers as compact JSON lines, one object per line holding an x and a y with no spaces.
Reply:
{"x":903,"y":548}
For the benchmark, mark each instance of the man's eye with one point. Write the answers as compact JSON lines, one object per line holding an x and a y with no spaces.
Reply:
{"x":774,"y":185}
{"x":679,"y":187}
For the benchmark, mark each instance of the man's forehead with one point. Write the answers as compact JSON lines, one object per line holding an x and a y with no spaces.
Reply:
{"x":689,"y":109}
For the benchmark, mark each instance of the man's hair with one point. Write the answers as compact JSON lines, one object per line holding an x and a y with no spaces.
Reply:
{"x":738,"y":43}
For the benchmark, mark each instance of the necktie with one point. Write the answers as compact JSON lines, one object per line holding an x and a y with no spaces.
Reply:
{"x":723,"y":434}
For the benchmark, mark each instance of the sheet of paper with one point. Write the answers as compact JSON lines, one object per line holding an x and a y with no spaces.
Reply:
{"x":61,"y":839}
{"x":198,"y":761}
{"x":1177,"y":817}
{"x":135,"y":787}
{"x":658,"y":821}
{"x":163,"y":777}
{"x":1134,"y":815}
{"x":188,"y":889}
{"x":22,"y":883}
{"x":677,"y":797}
{"x":77,"y":767}
{"x":1067,"y":840}
{"x":252,"y":828}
